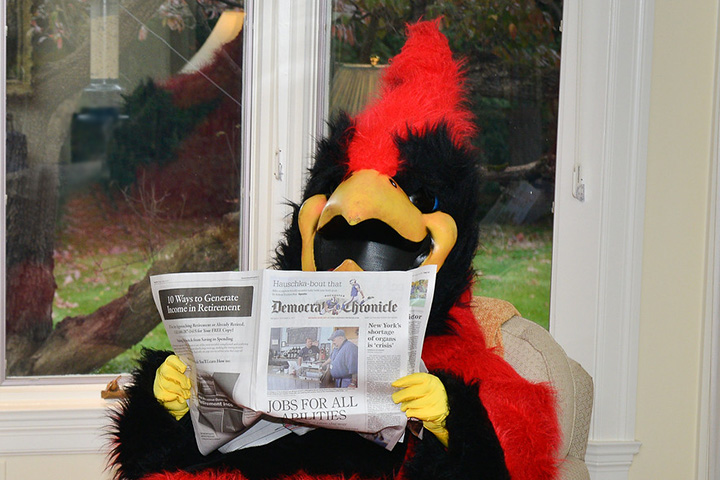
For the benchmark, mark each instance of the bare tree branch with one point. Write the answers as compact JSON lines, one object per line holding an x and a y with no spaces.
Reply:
{"x":529,"y":171}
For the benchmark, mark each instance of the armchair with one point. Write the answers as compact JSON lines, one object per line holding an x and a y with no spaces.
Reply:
{"x":535,"y":355}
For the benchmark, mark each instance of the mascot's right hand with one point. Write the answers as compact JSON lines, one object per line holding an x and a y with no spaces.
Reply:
{"x":172,"y":387}
{"x":423,"y":396}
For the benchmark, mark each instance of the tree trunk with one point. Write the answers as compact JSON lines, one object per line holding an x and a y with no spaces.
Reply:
{"x":30,"y":284}
{"x":82,"y":344}
{"x":369,"y":40}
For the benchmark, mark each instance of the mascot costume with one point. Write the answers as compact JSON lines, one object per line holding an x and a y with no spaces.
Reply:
{"x":391,"y":189}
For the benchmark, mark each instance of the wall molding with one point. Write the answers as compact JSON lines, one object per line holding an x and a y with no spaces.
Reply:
{"x":610,"y":460}
{"x":49,"y":432}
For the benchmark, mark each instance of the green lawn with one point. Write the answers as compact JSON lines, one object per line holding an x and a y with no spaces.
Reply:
{"x":513,"y":263}
{"x":157,"y":339}
{"x":87,"y":282}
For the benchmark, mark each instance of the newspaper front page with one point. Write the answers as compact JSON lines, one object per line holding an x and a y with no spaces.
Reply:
{"x":276,"y":352}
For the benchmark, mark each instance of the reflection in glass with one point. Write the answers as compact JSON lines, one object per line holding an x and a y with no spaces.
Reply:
{"x":18,"y":60}
{"x":512,"y":55}
{"x":122,"y":160}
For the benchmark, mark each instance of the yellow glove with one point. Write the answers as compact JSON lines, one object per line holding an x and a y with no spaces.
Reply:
{"x":423,"y":397}
{"x":171,"y":387}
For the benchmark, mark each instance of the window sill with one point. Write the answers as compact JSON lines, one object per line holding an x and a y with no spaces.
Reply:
{"x":54,"y":419}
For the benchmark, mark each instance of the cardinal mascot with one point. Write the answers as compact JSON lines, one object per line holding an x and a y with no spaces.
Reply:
{"x":393,"y":188}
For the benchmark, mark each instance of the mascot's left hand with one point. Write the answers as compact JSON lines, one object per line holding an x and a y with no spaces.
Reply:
{"x":423,"y":397}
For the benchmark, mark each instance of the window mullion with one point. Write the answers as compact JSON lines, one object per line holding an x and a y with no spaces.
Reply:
{"x":286,"y":62}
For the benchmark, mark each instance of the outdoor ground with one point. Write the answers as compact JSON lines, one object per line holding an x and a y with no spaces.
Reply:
{"x":104,"y":246}
{"x":514,"y":263}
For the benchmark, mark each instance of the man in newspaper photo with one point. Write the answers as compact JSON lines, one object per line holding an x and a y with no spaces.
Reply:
{"x":392,"y":188}
{"x":309,"y":352}
{"x":343,"y":361}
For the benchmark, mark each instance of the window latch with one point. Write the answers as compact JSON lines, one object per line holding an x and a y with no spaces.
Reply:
{"x":578,"y":187}
{"x":279,"y":164}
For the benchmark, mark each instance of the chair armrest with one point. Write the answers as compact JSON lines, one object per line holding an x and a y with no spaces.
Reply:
{"x":583,"y":408}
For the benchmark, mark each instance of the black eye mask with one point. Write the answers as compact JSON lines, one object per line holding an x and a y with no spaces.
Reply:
{"x":372,"y":244}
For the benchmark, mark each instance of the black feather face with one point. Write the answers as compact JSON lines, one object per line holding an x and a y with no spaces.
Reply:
{"x":435,"y":176}
{"x":432,"y":166}
{"x":331,"y":160}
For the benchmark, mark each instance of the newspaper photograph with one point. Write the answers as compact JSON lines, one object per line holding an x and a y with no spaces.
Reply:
{"x":276,"y":352}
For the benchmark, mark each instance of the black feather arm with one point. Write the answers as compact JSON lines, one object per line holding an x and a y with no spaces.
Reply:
{"x":473,"y":448}
{"x":146,"y":437}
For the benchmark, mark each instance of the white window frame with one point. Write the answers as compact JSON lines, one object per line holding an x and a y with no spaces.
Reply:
{"x":603,"y":127}
{"x":286,"y":94}
{"x":597,"y":243}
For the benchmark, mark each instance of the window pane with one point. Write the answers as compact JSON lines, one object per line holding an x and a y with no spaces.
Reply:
{"x":122,"y":159}
{"x":512,"y":50}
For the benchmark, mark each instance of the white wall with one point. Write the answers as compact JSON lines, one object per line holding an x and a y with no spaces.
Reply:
{"x":57,"y":467}
{"x":674,"y":263}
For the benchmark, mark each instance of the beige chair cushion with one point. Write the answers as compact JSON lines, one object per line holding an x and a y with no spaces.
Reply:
{"x":537,"y":357}
{"x":583,"y":409}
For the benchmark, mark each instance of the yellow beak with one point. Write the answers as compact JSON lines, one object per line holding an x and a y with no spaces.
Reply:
{"x":370,"y":195}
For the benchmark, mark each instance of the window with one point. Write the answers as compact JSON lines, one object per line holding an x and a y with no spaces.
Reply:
{"x":599,"y":205}
{"x":69,"y":416}
{"x":123,"y":158}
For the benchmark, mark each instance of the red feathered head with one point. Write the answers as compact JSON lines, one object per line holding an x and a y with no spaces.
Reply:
{"x":422,"y":88}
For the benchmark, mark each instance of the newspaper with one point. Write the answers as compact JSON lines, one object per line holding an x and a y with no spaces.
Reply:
{"x":275,"y":352}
